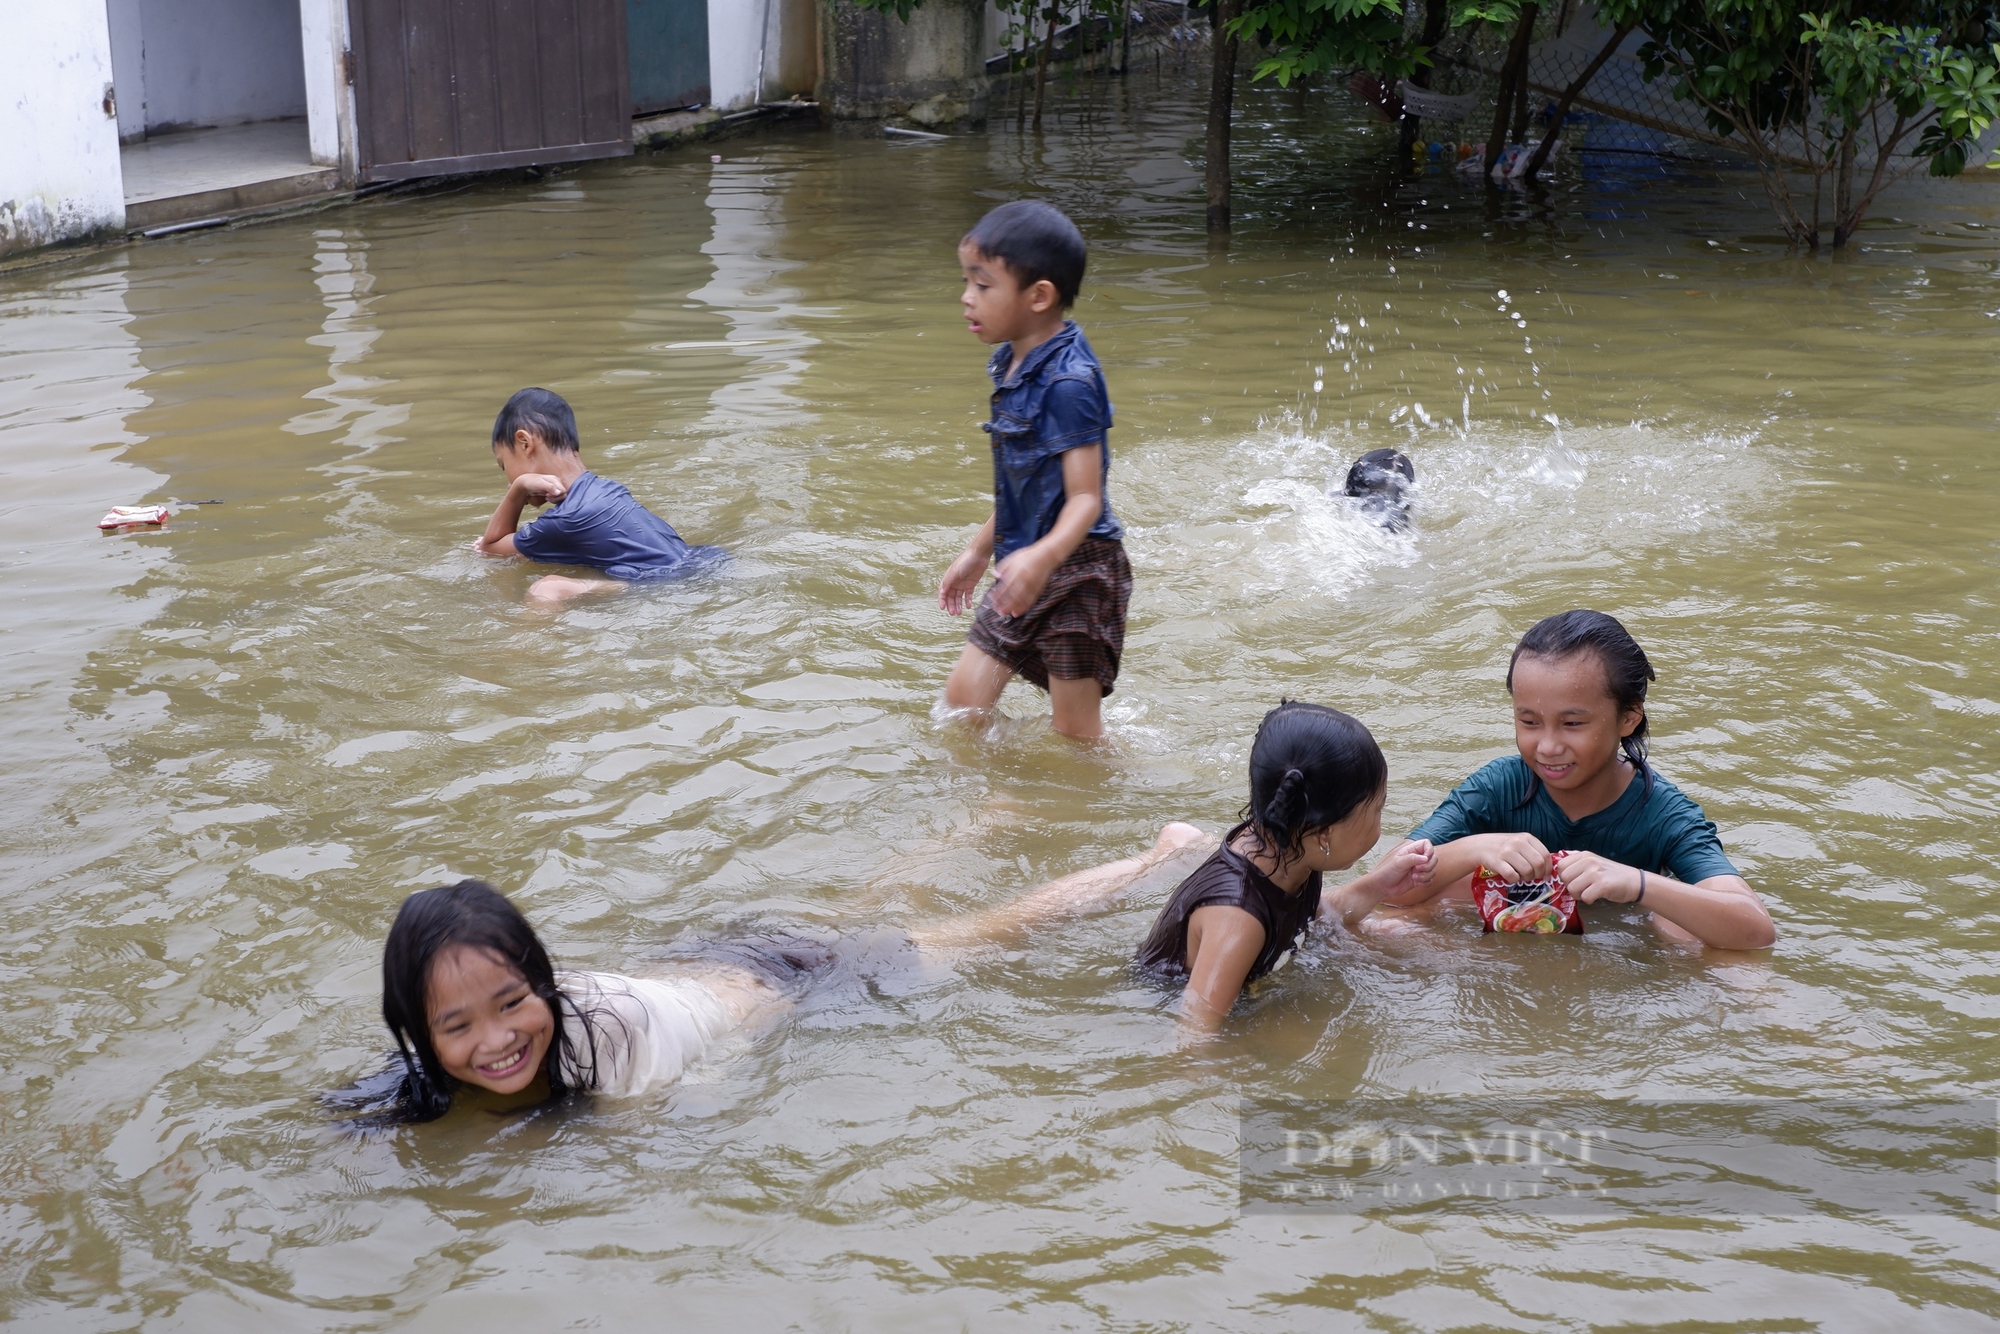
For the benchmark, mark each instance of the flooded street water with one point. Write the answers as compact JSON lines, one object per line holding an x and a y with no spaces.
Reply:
{"x":236,"y":744}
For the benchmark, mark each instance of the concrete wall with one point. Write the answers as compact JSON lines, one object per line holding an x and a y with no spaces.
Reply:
{"x":184,"y":63}
{"x":738,"y":32}
{"x":783,"y":32}
{"x":931,"y":69}
{"x":796,"y":68}
{"x":59,"y":175}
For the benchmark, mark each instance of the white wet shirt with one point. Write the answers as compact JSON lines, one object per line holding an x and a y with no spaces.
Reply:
{"x":646,"y":1030}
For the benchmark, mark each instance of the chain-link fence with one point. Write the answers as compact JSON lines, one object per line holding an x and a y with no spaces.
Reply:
{"x":1617,"y":111}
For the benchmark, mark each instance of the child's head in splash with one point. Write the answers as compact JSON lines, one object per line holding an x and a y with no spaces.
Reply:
{"x":1381,"y":482}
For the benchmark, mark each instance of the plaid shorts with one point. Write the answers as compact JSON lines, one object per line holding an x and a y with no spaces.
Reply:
{"x":1075,"y":630}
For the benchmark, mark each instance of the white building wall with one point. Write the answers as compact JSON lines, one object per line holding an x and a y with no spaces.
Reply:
{"x":329,"y":101}
{"x":738,"y":31}
{"x":128,"y":66}
{"x":1000,"y":25}
{"x":59,"y":175}
{"x":210,"y":62}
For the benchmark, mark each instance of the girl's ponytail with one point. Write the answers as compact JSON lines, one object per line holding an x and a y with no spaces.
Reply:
{"x":1310,"y":767}
{"x":1280,"y":811}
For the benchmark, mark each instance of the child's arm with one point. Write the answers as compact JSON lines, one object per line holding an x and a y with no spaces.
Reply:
{"x":1514,"y":856}
{"x":1230,"y":940}
{"x":1722,"y":911}
{"x":961,"y":581}
{"x":1406,"y":871}
{"x":530,"y":488}
{"x":1021,"y":577}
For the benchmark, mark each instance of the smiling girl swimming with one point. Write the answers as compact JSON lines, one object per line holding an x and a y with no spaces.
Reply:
{"x":472,"y":998}
{"x":1582,"y":785}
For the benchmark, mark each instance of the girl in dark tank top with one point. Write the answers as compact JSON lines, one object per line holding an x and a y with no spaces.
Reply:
{"x":1317,"y":784}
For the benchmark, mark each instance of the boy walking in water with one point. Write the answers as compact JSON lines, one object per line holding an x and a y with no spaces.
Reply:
{"x":1055,"y":614}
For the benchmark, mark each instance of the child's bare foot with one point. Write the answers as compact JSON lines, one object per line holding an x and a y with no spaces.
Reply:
{"x":553,"y":588}
{"x":1176,"y":836}
{"x":1390,"y":924}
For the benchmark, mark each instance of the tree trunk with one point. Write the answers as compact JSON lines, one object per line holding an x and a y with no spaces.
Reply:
{"x":1518,"y":134}
{"x":1437,"y":16}
{"x":1844,"y":218}
{"x":1017,"y":66}
{"x":1124,"y":35}
{"x":1570,"y":94}
{"x":1503,"y":101}
{"x":1513,"y":72}
{"x":1437,"y":13}
{"x":1042,"y":66}
{"x":1221,"y":98}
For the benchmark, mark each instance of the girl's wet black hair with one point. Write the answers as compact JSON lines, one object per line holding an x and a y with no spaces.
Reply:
{"x":1035,"y":241}
{"x":1310,"y":767}
{"x":542,"y":414}
{"x":430,"y":921}
{"x":1626,"y":673}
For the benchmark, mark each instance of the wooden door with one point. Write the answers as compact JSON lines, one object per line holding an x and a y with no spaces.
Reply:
{"x":669,"y":44}
{"x":444,"y":86}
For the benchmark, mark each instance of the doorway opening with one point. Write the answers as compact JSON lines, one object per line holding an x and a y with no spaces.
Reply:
{"x":214,"y":111}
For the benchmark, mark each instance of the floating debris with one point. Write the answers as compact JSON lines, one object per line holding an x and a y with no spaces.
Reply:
{"x":135,"y":516}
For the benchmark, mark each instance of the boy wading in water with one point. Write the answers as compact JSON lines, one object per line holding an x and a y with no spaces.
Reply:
{"x":592,"y":521}
{"x":1055,"y":614}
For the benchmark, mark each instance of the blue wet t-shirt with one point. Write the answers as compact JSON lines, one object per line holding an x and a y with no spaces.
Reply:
{"x":597,"y":523}
{"x":1661,"y":831}
{"x":1056,"y":402}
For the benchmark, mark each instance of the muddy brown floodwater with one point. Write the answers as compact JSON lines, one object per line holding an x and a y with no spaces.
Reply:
{"x":234,"y":745}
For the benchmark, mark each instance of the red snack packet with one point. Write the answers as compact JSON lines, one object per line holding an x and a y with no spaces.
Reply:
{"x":1540,"y":907}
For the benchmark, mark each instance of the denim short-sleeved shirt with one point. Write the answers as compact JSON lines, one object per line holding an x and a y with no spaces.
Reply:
{"x":1056,"y":402}
{"x":1660,"y":830}
{"x":598,"y":524}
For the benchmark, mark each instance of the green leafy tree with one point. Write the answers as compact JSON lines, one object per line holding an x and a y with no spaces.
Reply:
{"x":1910,"y":85}
{"x":1303,"y":37}
{"x":1300,"y":38}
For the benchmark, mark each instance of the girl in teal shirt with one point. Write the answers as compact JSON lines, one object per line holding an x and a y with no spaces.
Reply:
{"x":1581,"y":785}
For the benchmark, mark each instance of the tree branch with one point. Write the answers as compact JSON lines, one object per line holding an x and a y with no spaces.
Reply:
{"x":1570,"y":94}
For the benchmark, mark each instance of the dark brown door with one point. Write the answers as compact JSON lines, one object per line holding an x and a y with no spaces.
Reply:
{"x":443,"y":86}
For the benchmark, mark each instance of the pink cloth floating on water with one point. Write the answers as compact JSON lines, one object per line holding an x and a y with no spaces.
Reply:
{"x":135,"y":516}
